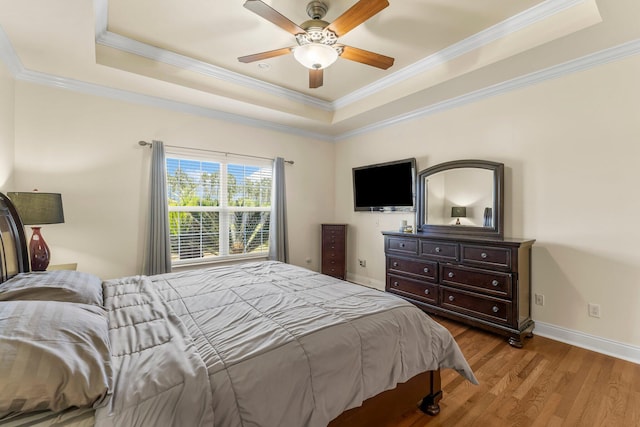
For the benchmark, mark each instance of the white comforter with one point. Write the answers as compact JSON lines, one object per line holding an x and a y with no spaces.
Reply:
{"x":260,"y":344}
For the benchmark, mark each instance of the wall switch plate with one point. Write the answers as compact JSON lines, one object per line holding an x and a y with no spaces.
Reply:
{"x":594,"y":310}
{"x":539,"y":298}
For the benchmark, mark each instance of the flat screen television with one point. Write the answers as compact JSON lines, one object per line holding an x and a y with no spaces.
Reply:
{"x":384,"y":187}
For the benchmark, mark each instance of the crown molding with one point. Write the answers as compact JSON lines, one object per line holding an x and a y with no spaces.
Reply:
{"x":513,"y":24}
{"x":615,"y":53}
{"x":126,"y":44}
{"x":8,"y":56}
{"x":153,"y":101}
{"x":579,"y":64}
{"x":502,"y":29}
{"x":135,"y":47}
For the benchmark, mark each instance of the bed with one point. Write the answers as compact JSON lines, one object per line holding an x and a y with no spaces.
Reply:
{"x":254,"y":344}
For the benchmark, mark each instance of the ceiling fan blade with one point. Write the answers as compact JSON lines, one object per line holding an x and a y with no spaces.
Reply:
{"x":315,"y":78}
{"x":267,"y":12}
{"x":264,"y":55}
{"x":366,"y":57}
{"x":356,"y":15}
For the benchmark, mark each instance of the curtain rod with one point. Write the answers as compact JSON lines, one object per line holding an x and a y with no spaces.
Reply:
{"x":144,"y":143}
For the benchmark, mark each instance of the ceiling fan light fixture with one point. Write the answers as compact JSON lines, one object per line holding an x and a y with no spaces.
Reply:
{"x":315,"y":56}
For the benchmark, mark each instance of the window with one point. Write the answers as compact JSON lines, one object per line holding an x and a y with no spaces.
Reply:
{"x":218,"y":208}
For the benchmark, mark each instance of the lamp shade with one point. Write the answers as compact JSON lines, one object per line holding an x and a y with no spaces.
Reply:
{"x":315,"y":56}
{"x":36,"y":208}
{"x":458,"y":212}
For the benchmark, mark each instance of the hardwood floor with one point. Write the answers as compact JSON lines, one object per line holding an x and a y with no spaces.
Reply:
{"x":547,"y":383}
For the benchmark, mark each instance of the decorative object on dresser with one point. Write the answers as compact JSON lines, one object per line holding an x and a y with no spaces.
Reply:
{"x":36,"y":208}
{"x":334,"y":250}
{"x":468,"y":272}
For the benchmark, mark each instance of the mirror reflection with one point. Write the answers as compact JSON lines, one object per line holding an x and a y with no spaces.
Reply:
{"x":461,"y":197}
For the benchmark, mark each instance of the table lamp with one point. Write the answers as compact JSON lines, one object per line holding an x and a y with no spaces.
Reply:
{"x":36,"y":208}
{"x":458,"y":212}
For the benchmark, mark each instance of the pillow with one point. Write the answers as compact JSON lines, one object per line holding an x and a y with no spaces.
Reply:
{"x":58,"y":285}
{"x":55,"y":355}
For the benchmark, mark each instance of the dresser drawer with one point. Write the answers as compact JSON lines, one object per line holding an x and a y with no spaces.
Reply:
{"x":486,"y":256}
{"x":333,"y":229}
{"x":439,"y":250}
{"x":423,"y":269}
{"x":332,"y":245}
{"x":333,"y":238}
{"x":490,"y":282}
{"x":484,"y":307}
{"x":404,"y":246}
{"x":333,"y":267}
{"x":414,"y":289}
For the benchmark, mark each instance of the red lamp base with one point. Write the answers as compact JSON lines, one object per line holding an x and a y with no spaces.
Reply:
{"x":39,"y":251}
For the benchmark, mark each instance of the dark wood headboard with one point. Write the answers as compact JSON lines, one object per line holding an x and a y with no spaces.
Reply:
{"x":14,"y":257}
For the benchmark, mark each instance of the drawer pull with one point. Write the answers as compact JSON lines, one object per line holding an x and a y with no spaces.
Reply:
{"x":395,"y":264}
{"x":451,"y":298}
{"x":426,"y":270}
{"x":495,"y":282}
{"x":426,"y":292}
{"x":451,"y":274}
{"x":438,"y":250}
{"x":483,"y":255}
{"x":402,"y":245}
{"x":495,"y":309}
{"x":395,"y":283}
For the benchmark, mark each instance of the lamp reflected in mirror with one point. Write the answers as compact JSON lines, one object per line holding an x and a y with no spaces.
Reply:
{"x":458,"y":212}
{"x":36,"y":209}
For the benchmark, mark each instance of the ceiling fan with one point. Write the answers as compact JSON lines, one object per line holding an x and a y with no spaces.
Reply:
{"x":317,"y":39}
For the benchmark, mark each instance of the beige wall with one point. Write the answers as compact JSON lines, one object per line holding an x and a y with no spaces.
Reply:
{"x":571,"y":148}
{"x":86,"y":148}
{"x":6,"y":129}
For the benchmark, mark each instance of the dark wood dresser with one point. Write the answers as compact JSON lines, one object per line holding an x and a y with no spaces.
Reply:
{"x":483,"y":282}
{"x":334,"y":250}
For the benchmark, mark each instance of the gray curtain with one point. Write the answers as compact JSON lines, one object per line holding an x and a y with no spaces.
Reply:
{"x":278,"y":246}
{"x":158,"y":250}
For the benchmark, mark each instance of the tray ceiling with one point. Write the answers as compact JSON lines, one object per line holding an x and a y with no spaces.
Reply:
{"x":186,"y":52}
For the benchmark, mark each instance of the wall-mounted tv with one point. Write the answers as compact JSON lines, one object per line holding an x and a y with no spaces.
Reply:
{"x":386,"y":186}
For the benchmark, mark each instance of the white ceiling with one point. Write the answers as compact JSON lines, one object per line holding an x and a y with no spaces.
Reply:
{"x":184,"y":53}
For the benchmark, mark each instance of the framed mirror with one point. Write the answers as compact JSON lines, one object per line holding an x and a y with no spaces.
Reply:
{"x":461,"y":197}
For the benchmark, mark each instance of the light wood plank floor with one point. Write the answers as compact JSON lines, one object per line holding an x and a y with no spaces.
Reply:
{"x":547,"y":383}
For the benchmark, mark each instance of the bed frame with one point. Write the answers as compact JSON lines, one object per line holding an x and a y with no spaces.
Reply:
{"x":377,"y":410}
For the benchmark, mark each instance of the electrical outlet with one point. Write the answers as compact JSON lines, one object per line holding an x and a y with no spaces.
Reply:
{"x":363,"y":262}
{"x":594,"y":310}
{"x":539,"y":299}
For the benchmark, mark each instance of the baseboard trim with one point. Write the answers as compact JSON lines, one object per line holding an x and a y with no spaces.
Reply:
{"x":365,"y":281}
{"x":590,"y":342}
{"x":601,"y":345}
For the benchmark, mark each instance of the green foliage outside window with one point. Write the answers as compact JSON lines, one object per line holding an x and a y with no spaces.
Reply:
{"x":195,"y":233}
